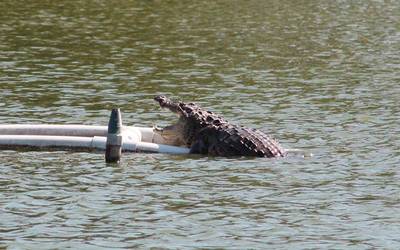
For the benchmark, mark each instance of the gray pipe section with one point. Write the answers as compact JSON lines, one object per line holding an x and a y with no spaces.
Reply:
{"x":134,"y":139}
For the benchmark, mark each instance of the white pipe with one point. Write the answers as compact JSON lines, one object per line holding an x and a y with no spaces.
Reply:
{"x":97,"y":142}
{"x":83,"y":136}
{"x":160,"y":148}
{"x":146,"y":134}
{"x":46,"y":141}
{"x":47,"y":129}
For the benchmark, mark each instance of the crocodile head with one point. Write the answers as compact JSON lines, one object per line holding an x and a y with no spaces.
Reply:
{"x":192,"y":118}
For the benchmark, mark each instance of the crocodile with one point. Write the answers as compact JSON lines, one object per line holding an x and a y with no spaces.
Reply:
{"x":204,"y":132}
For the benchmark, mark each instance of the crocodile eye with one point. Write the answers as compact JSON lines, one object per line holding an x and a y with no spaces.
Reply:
{"x":188,"y":110}
{"x":217,"y":122}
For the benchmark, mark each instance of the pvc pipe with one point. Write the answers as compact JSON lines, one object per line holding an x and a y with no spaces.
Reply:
{"x":46,"y":141}
{"x":48,"y":129}
{"x":160,"y":148}
{"x":148,"y":135}
{"x":145,"y":134}
{"x":135,"y":139}
{"x":97,"y":142}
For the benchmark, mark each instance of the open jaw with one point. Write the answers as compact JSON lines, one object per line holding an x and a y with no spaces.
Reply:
{"x":172,"y":134}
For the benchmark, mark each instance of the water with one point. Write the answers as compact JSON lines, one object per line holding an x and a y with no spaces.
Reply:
{"x":322,"y":77}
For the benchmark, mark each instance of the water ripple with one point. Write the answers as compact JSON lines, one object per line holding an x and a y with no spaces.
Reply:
{"x":321,"y":78}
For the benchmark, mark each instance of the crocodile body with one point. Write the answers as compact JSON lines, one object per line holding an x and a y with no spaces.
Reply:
{"x":207,"y":133}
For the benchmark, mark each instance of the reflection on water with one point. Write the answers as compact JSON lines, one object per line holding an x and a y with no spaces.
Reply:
{"x":320,"y":77}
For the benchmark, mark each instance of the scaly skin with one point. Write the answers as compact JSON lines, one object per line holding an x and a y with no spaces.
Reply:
{"x":207,"y":133}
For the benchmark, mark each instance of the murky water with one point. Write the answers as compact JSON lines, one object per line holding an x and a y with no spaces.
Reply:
{"x":320,"y":76}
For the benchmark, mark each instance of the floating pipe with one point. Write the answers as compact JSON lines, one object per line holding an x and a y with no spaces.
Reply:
{"x":146,"y":134}
{"x":135,"y":139}
{"x":49,"y":129}
{"x":96,"y":142}
{"x":13,"y":141}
